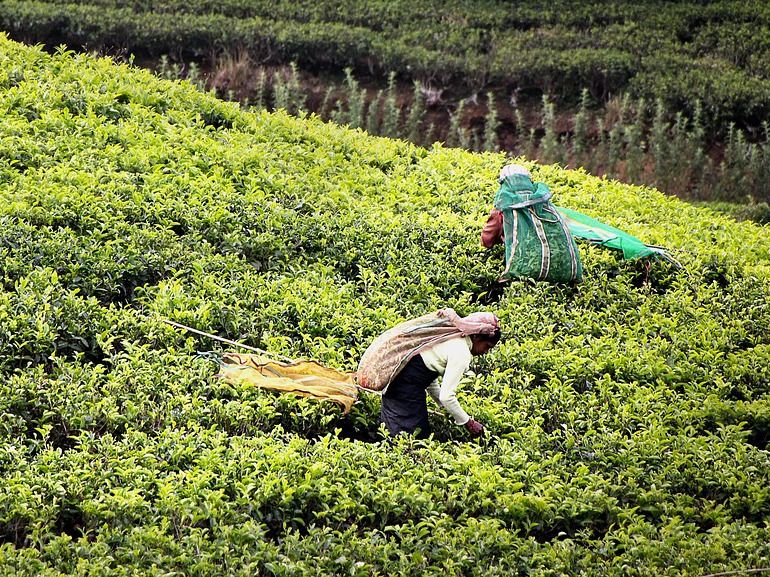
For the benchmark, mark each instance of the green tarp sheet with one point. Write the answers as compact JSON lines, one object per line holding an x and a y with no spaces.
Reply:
{"x":587,"y":228}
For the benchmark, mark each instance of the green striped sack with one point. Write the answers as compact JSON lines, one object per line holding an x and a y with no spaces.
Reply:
{"x":538,"y":243}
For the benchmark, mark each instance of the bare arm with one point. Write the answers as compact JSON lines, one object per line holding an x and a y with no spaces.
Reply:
{"x":447,"y":398}
{"x":492,"y":233}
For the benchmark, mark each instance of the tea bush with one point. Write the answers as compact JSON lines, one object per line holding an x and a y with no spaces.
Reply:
{"x":627,"y":417}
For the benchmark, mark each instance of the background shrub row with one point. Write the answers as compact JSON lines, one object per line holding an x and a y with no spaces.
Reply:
{"x":716,"y":53}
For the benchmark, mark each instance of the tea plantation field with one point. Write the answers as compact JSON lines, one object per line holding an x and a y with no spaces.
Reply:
{"x":628,"y":418}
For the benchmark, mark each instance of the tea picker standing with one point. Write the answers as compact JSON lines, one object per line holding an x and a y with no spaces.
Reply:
{"x":429,"y":354}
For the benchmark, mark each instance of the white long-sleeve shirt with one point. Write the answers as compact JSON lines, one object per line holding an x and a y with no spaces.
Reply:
{"x":449,"y":359}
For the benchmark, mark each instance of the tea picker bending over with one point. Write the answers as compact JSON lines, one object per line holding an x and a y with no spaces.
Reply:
{"x":537,"y":239}
{"x":430,"y":354}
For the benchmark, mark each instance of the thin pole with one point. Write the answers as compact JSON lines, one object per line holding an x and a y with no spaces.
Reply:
{"x":228,"y":341}
{"x":738,"y":572}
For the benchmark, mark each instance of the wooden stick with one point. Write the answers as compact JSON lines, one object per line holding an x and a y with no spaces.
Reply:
{"x":228,"y":341}
{"x":738,"y":572}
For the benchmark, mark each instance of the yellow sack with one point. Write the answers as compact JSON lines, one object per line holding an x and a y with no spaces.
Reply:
{"x":304,"y":378}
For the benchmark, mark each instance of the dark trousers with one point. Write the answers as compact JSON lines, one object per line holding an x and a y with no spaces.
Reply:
{"x":404,"y":404}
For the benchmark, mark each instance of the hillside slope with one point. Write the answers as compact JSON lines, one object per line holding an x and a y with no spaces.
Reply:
{"x":629,"y":420}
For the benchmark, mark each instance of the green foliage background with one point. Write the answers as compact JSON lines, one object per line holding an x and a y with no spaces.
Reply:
{"x":680,"y":52}
{"x":628,"y":420}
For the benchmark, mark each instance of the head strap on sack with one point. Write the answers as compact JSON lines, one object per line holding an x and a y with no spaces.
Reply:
{"x":474,"y":324}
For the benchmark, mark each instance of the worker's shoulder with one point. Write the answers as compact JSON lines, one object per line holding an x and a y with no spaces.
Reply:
{"x":456,"y":346}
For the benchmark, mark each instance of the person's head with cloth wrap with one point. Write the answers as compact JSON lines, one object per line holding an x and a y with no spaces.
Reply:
{"x":482,"y":328}
{"x":428,"y":354}
{"x":511,"y":169}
